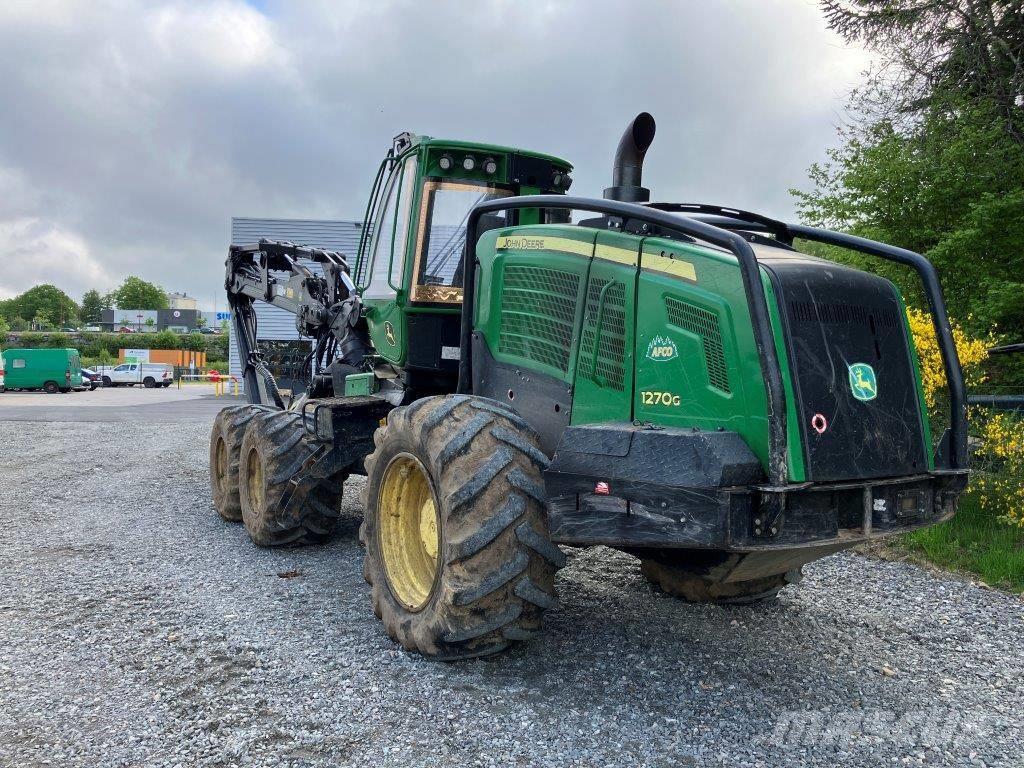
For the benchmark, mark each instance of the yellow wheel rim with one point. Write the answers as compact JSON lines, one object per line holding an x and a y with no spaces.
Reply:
{"x":221,"y":465}
{"x":408,"y":531}
{"x":255,"y":473}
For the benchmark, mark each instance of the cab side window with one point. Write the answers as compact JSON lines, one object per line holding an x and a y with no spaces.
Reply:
{"x":390,"y":232}
{"x":18,"y":362}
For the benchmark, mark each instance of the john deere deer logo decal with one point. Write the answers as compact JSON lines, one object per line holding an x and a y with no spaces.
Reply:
{"x":389,"y":333}
{"x":862,"y":381}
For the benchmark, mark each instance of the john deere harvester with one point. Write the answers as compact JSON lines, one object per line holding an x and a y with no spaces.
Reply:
{"x":513,"y":369}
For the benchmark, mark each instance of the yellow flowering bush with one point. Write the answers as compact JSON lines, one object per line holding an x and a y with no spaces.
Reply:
{"x":933,"y":374}
{"x":997,"y":439}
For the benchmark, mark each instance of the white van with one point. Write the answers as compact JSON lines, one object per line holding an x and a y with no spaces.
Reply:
{"x":146,"y":374}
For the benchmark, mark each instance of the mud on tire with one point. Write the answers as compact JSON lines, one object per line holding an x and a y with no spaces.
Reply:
{"x":496,"y":564}
{"x":274,"y":448}
{"x":225,"y":448}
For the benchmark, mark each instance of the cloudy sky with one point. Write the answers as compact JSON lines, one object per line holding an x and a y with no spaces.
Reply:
{"x":132,"y":130}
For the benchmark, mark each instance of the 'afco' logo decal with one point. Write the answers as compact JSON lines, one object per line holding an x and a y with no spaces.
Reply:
{"x":662,"y":348}
{"x":863,"y":383}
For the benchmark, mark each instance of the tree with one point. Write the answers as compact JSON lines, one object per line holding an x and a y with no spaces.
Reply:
{"x":92,"y":307}
{"x":931,"y":160}
{"x":200,"y":321}
{"x":150,"y":322}
{"x":136,"y":293}
{"x":19,"y":324}
{"x":57,"y":305}
{"x":973,"y":49}
{"x":41,"y":321}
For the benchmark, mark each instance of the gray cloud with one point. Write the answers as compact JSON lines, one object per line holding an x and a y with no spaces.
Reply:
{"x":134,"y":130}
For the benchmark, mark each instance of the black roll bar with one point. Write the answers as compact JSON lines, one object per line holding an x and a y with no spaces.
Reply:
{"x":658,"y":214}
{"x":749,"y":270}
{"x":958,"y":457}
{"x":735,"y":219}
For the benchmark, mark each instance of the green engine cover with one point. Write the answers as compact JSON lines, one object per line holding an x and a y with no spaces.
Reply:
{"x":640,"y":329}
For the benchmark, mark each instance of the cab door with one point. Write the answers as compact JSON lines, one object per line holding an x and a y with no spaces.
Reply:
{"x":604,"y":365}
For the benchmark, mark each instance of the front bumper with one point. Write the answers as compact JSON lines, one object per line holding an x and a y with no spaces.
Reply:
{"x":673,"y":488}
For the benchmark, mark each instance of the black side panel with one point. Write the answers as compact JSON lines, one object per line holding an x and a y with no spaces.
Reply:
{"x":544,"y":401}
{"x":844,"y":325}
{"x":434,"y":342}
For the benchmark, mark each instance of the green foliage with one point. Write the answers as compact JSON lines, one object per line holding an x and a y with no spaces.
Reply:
{"x":164,"y":340}
{"x":92,"y":306}
{"x":19,"y":324}
{"x":952,"y":189}
{"x":136,"y":293}
{"x":95,"y":345}
{"x":47,"y":301}
{"x":973,"y":541}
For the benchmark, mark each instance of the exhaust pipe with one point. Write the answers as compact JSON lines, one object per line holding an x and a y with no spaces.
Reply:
{"x":627,"y":171}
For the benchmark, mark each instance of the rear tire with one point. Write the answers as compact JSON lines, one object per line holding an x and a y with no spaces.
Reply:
{"x":51,"y":388}
{"x":679,"y":580}
{"x":274,"y":448}
{"x":107,"y":382}
{"x":493,"y":565}
{"x":225,"y":449}
{"x":149,"y":382}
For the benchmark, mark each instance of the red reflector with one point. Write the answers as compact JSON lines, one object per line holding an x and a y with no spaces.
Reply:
{"x":601,"y":488}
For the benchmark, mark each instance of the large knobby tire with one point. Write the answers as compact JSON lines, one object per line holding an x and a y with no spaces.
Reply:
{"x":682,"y":582}
{"x":225,"y":449}
{"x":274,"y":448}
{"x":493,"y":563}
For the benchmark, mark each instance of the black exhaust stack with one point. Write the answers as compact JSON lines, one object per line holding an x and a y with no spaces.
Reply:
{"x":627,"y":172}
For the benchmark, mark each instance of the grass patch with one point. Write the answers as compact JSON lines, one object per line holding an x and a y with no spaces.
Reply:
{"x":974,"y":542}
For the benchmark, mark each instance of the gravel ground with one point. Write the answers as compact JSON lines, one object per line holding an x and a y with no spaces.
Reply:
{"x":136,"y":628}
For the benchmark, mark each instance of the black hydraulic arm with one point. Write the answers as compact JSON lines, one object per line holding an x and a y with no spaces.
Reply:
{"x":315,"y":300}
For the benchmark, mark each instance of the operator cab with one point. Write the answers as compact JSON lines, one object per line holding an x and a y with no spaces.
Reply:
{"x":408,"y":270}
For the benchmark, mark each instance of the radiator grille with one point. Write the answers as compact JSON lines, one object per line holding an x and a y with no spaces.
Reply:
{"x":538,"y":307}
{"x":849,"y":314}
{"x":704,"y":324}
{"x":605,"y":366}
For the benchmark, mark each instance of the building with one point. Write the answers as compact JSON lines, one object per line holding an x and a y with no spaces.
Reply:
{"x":181,"y":301}
{"x":279,"y":341}
{"x":152,"y":320}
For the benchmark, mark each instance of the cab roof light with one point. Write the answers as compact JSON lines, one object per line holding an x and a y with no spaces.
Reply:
{"x":445,"y":162}
{"x":490,"y":166}
{"x":469,"y":163}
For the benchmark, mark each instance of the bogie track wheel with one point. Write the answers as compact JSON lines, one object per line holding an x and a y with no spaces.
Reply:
{"x":273,"y":450}
{"x":455,"y":528}
{"x":225,"y":449}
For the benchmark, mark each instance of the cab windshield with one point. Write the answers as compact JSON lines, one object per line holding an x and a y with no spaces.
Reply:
{"x":444,"y":210}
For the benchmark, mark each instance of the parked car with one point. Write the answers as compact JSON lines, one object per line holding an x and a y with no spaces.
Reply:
{"x":51,"y":370}
{"x":92,"y":329}
{"x":205,"y":330}
{"x":91,"y":379}
{"x":129,"y":374}
{"x":3,"y":387}
{"x":126,"y":329}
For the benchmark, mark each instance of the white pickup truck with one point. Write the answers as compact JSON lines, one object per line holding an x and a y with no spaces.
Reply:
{"x":130,"y":374}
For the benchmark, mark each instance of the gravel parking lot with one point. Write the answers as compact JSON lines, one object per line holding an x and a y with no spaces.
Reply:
{"x":137,"y":628}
